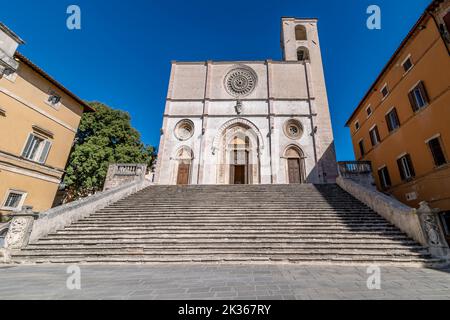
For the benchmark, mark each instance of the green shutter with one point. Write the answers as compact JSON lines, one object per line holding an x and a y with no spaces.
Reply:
{"x":26,"y":150}
{"x":45,"y":151}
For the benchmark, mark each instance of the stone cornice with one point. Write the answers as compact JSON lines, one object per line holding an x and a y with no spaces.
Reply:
{"x":6,"y":157}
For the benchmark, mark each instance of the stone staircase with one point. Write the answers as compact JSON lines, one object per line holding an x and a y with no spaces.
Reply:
{"x":236,"y":224}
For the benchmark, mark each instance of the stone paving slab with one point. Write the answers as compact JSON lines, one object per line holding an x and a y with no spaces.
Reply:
{"x":237,"y":282}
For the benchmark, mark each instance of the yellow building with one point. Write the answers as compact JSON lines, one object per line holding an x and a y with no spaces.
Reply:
{"x":402,"y":125}
{"x":38,"y":122}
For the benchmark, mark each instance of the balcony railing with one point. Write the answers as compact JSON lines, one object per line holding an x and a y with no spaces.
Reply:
{"x":354,"y":167}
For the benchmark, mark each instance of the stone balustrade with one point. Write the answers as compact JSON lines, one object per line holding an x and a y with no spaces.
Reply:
{"x":27,"y":226}
{"x":121,"y":173}
{"x":422,"y":224}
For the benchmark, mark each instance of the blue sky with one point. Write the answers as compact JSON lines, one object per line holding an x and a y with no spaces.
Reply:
{"x":122,"y":54}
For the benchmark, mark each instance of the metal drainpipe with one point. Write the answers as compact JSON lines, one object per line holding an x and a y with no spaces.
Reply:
{"x":311,"y":118}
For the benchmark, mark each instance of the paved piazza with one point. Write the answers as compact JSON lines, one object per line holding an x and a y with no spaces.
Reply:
{"x":197,"y":281}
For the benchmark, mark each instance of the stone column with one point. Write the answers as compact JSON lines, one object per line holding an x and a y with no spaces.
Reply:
{"x":20,"y":229}
{"x":432,"y":230}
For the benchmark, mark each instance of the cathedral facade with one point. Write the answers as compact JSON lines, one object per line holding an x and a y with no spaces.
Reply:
{"x":250,"y":122}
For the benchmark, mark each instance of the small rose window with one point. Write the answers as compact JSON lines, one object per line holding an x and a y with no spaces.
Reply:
{"x":184,"y":129}
{"x":293,"y":129}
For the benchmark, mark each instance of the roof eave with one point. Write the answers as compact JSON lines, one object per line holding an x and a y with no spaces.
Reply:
{"x":21,"y":57}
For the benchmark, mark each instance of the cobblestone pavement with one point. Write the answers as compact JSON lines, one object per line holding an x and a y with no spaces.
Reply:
{"x":247,"y":282}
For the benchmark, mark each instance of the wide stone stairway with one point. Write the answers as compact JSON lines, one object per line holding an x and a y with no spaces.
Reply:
{"x":234,"y":223}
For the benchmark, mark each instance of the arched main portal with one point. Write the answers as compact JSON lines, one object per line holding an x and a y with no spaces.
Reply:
{"x":240,"y":167}
{"x":295,"y":165}
{"x":183,"y":165}
{"x":238,"y":155}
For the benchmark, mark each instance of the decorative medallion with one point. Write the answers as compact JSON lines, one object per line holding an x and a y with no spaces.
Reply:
{"x":240,"y":81}
{"x":184,"y":129}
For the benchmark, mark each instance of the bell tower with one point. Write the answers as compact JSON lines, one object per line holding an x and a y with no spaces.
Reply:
{"x":298,"y":37}
{"x":300,"y":44}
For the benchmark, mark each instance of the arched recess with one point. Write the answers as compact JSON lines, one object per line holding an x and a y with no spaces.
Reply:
{"x":237,"y":147}
{"x":303,"y":54}
{"x":294,"y":164}
{"x":182,"y":170}
{"x":229,"y":124}
{"x":300,"y":33}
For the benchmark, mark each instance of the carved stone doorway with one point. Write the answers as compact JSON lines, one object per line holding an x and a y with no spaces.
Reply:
{"x":295,"y":166}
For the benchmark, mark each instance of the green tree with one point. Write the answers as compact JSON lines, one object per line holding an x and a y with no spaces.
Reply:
{"x":104,"y":137}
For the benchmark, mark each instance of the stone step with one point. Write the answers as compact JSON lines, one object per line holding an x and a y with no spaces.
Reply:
{"x":250,"y":216}
{"x":321,"y":253}
{"x":262,"y":203}
{"x":215,"y":226}
{"x":235,"y":221}
{"x":266,"y":232}
{"x":223,"y":246}
{"x":351,"y":261}
{"x":201,"y":229}
{"x":230,"y":241}
{"x":241,"y":237}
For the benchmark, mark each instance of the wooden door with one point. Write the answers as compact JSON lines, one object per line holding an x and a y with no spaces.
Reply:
{"x":294,"y":171}
{"x":239,"y":174}
{"x":183,"y":173}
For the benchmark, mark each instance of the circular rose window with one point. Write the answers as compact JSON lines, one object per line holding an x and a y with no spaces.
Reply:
{"x":293,"y":129}
{"x":184,"y":129}
{"x":240,"y":81}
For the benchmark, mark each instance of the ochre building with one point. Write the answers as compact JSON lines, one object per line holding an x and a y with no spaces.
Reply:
{"x":402,"y":125}
{"x":38,"y":122}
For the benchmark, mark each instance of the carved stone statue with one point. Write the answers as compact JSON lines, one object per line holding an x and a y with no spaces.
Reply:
{"x":238,"y":107}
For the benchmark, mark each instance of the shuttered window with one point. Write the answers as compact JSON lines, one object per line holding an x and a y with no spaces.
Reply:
{"x":405,"y":167}
{"x":385,"y":179}
{"x":361,"y":148}
{"x":437,"y":152}
{"x":374,"y":136}
{"x":392,"y":120}
{"x":384,"y":91}
{"x":407,"y":65}
{"x":36,"y":148}
{"x":418,"y":97}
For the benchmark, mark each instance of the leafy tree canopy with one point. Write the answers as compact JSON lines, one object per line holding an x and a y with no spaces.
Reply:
{"x":104,"y":137}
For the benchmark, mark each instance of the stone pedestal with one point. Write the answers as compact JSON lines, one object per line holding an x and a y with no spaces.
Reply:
{"x":432,"y":230}
{"x":20,"y":229}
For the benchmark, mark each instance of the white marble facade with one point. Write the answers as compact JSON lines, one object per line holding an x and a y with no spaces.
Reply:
{"x":253,"y":122}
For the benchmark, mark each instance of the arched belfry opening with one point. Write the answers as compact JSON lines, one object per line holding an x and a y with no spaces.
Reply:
{"x":238,"y":155}
{"x":295,"y":165}
{"x":302,"y":54}
{"x":300,"y":33}
{"x":183,"y":165}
